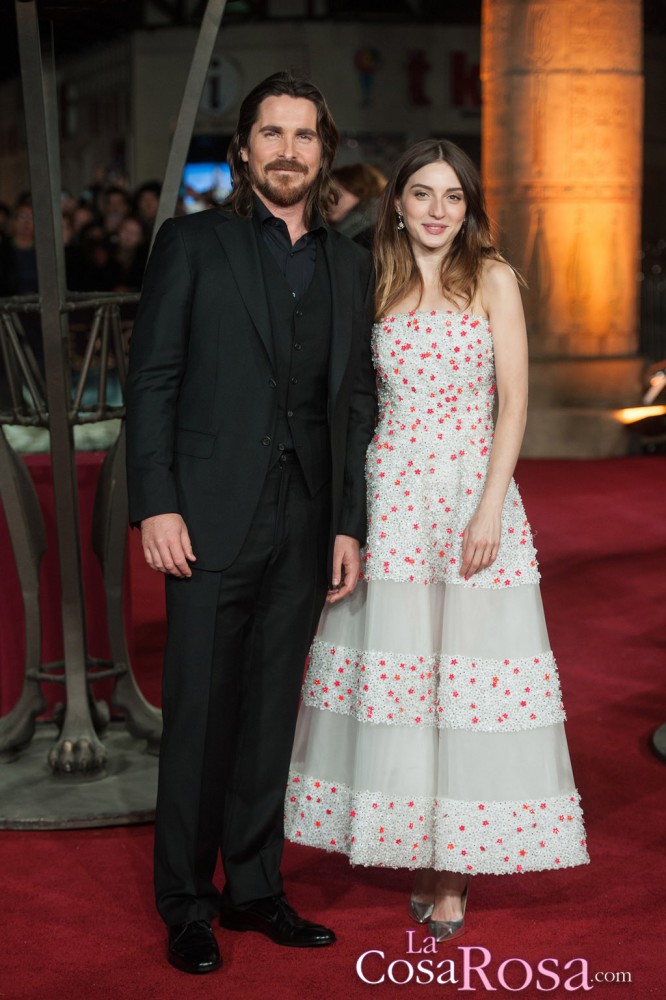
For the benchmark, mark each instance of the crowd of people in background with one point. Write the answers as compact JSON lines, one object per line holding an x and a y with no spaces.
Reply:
{"x":106,"y":234}
{"x":107,"y":230}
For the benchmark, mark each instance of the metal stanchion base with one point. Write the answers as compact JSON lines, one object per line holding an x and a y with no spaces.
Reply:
{"x":34,"y":798}
{"x":659,"y":742}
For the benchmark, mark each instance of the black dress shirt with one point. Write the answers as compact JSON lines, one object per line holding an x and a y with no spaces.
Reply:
{"x":296,"y":261}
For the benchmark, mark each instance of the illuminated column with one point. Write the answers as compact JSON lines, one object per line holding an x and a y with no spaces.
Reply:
{"x":562,"y":140}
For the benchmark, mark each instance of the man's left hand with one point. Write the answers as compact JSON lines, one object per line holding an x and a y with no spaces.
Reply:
{"x":346,"y":567}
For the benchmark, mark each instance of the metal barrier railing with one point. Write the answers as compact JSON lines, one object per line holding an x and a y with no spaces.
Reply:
{"x":98,"y":345}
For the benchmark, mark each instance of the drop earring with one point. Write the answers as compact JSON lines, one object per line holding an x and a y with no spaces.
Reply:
{"x":464,"y":226}
{"x":401,"y":221}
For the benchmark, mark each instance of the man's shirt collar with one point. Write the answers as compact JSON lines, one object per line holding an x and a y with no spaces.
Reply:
{"x":266,"y":218}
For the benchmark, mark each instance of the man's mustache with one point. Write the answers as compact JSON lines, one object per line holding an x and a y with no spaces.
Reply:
{"x":298,"y":168}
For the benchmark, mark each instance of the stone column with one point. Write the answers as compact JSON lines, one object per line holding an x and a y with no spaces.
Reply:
{"x":562,"y":151}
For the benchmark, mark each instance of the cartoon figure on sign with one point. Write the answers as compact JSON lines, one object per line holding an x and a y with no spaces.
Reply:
{"x":418,"y":68}
{"x":367,"y":61}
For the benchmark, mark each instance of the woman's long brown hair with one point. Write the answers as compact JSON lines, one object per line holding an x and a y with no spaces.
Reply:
{"x":397,"y":270}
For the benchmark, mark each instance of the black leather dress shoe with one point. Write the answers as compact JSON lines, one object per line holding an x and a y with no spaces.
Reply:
{"x":193,"y":948}
{"x":275,"y":918}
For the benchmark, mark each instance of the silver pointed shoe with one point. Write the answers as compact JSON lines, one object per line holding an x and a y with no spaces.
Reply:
{"x":447,"y":930}
{"x":420,"y":912}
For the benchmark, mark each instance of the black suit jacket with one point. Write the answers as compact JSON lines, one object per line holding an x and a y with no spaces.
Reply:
{"x":201,"y":394}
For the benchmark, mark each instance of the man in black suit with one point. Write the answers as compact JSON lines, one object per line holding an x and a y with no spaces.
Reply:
{"x":250,"y":405}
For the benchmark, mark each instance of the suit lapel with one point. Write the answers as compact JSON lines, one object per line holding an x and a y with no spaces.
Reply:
{"x":239,"y":243}
{"x":341,"y":317}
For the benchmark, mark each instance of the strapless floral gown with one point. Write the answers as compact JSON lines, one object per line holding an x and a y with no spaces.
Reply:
{"x":431,"y":730}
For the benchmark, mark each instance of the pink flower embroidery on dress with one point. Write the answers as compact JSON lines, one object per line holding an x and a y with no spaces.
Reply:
{"x":413,"y":447}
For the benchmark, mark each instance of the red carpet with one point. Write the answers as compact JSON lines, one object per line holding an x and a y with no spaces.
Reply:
{"x":77,"y":912}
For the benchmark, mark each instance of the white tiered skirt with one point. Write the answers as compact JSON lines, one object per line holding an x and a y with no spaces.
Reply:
{"x":431,"y":733}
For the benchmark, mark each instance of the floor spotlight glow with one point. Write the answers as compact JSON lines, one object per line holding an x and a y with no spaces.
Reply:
{"x":633,"y":414}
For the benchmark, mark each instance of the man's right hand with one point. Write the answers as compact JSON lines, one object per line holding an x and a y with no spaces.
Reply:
{"x":166,"y":544}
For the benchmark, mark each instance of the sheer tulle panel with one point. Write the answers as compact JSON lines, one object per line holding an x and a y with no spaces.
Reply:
{"x":437,"y":655}
{"x":404,"y":797}
{"x":426,"y":619}
{"x":437,"y":763}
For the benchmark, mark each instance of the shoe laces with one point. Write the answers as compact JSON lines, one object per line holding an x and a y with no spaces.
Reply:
{"x":201,"y":925}
{"x":281,"y":901}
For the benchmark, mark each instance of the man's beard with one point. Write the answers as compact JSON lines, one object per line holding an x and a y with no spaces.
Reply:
{"x":281,"y":191}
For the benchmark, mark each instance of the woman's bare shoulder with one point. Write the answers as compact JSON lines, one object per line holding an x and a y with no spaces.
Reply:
{"x":497,"y":276}
{"x":498,"y":285}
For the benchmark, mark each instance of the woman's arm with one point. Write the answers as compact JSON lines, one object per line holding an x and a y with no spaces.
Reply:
{"x":500,"y":297}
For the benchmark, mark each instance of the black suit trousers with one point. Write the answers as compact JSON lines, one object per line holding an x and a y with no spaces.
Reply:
{"x":236,"y":649}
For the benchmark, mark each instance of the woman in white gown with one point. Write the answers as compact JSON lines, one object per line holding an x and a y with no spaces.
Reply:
{"x":431,"y":730}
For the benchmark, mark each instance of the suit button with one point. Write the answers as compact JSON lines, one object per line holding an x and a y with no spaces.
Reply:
{"x":272,"y":383}
{"x":290,"y":413}
{"x":280,"y":447}
{"x":294,"y":380}
{"x":266,"y":440}
{"x":297,"y":347}
{"x":299,"y":312}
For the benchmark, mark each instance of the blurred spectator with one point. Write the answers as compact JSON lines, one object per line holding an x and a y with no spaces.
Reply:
{"x":82,"y":215}
{"x":67,"y":202}
{"x":18,"y":274}
{"x":359,"y":186}
{"x":18,"y":269}
{"x":130,"y":253}
{"x":116,"y":206}
{"x":93,"y":193}
{"x":97,"y":270}
{"x":146,"y":202}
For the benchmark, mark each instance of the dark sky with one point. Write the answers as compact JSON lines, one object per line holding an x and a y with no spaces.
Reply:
{"x":82,"y":24}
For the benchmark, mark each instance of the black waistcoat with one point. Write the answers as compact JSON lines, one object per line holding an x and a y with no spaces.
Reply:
{"x":301,"y":339}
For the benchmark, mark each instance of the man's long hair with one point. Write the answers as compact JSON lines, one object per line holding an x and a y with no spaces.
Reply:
{"x":397,"y":270}
{"x":283,"y":84}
